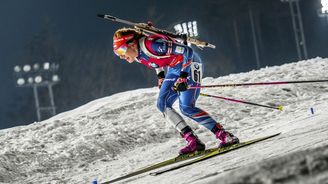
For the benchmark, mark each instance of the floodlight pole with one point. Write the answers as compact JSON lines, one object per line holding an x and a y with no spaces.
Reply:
{"x":48,"y":83}
{"x":296,"y":15}
{"x":256,"y":48}
{"x":39,"y":109}
{"x":237,"y":40}
{"x":37,"y":103}
{"x":52,"y":107}
{"x":52,"y":102}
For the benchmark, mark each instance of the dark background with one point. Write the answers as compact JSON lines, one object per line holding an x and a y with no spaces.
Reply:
{"x":69,"y":33}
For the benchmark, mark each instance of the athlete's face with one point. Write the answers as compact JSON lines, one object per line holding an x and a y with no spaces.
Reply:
{"x":130,"y":54}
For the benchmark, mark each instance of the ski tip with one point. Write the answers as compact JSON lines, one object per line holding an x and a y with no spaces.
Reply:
{"x":101,"y":15}
{"x":277,"y":134}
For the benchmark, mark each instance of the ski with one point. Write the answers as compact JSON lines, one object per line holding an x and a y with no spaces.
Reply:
{"x":163,"y":164}
{"x":185,"y":157}
{"x":216,"y":152}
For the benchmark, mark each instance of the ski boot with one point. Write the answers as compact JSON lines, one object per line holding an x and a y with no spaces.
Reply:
{"x":226,"y":138}
{"x":194,"y":144}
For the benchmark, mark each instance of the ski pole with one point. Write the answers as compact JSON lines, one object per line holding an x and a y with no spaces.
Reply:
{"x":256,"y":84}
{"x":279,"y":107}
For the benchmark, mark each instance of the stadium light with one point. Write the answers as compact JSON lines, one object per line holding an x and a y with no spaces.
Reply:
{"x":20,"y":81}
{"x":38,"y":79}
{"x":36,"y":66}
{"x":55,"y":78}
{"x":17,"y":69}
{"x":30,"y":80}
{"x":46,"y":66}
{"x":27,"y":68}
{"x":324,"y":8}
{"x":44,"y":75}
{"x":189,"y":28}
{"x":323,"y":11}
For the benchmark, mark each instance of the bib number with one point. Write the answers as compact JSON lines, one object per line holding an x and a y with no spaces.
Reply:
{"x":196,"y":72}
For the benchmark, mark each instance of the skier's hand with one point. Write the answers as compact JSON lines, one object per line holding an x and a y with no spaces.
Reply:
{"x":161,"y":77}
{"x":182,"y":83}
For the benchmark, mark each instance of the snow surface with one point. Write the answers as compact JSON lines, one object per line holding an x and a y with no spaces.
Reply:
{"x":112,"y":136}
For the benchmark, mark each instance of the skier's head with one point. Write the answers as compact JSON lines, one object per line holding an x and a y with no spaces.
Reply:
{"x":125,"y":43}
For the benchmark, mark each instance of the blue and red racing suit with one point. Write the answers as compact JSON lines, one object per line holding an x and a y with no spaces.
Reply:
{"x":157,"y":51}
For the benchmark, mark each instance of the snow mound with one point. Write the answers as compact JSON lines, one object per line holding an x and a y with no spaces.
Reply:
{"x":120,"y":133}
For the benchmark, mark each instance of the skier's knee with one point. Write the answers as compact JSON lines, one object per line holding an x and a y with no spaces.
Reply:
{"x":174,"y":118}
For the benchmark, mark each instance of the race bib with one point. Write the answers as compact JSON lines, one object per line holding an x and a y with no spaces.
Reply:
{"x":196,"y":72}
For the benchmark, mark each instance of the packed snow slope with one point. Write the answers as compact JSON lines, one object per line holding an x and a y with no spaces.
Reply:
{"x":112,"y":136}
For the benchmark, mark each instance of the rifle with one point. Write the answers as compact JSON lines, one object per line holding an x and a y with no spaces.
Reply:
{"x":150,"y":29}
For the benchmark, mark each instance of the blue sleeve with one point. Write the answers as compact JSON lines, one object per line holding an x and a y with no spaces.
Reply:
{"x":159,"y":46}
